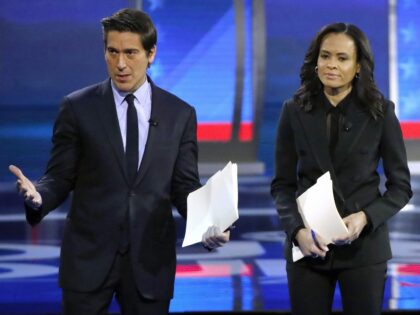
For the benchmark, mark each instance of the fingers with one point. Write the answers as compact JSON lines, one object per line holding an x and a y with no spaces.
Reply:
{"x":340,"y":242}
{"x":35,"y":199}
{"x":23,"y":183}
{"x":319,"y":241}
{"x":32,"y":198}
{"x":355,"y":223}
{"x":344,"y":239}
{"x":308,"y":246}
{"x":25,"y":188}
{"x":316,"y":252}
{"x":214,"y":237}
{"x":217,"y":237}
{"x":16,"y":171}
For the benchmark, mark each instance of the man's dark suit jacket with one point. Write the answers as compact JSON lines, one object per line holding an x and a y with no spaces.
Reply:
{"x":87,"y":158}
{"x":302,"y":156}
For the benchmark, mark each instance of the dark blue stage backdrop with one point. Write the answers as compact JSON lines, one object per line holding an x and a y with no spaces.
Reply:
{"x":51,"y":48}
{"x":290,"y":27}
{"x":236,"y":61}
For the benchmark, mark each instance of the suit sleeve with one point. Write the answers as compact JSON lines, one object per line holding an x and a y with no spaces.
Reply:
{"x":185,"y":177}
{"x":60,"y":175}
{"x":398,"y":189}
{"x":284,"y":184}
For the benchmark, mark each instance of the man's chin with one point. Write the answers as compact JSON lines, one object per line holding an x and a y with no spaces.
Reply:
{"x":123,"y":87}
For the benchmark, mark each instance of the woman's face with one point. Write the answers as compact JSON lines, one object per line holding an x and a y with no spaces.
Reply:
{"x":337,"y":62}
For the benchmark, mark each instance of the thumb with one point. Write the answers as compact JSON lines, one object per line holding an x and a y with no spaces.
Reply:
{"x":217,"y":231}
{"x":16,"y":171}
{"x":347,"y":220}
{"x":208,"y":233}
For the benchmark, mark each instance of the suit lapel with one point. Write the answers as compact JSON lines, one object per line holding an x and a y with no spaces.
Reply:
{"x":314,"y":126}
{"x":108,"y":116}
{"x":357,"y":120}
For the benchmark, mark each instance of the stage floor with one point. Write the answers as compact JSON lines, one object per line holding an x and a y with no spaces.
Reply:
{"x":247,"y":274}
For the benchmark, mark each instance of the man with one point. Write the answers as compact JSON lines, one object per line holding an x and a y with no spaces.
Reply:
{"x":128,"y":151}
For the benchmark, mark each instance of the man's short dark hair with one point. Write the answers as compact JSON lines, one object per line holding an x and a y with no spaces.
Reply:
{"x":134,"y":21}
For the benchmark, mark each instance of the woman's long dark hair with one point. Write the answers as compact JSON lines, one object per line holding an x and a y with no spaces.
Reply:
{"x":364,"y":85}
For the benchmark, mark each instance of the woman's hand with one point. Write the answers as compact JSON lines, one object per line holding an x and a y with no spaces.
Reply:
{"x":355,"y":223}
{"x":311,"y":244}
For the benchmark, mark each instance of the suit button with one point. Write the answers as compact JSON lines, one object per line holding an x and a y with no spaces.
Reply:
{"x":132,"y":194}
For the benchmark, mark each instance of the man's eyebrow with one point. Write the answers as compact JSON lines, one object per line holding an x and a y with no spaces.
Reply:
{"x":131,"y":49}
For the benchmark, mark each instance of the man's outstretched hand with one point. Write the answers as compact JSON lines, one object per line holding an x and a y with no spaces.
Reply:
{"x":26,"y":189}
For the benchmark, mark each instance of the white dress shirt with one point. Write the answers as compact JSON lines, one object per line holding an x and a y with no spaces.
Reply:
{"x":143,"y":104}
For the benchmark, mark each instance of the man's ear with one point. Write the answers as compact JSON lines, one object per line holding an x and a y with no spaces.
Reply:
{"x":151,"y":54}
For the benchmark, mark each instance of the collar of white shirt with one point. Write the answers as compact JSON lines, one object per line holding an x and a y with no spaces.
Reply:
{"x":141,"y":94}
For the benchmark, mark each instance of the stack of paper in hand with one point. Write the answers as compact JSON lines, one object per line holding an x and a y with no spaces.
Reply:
{"x":319,"y":212}
{"x":214,"y":204}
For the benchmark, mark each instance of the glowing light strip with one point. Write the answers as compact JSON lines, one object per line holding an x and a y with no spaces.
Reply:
{"x":393,"y":53}
{"x":410,"y":129}
{"x":222,"y":132}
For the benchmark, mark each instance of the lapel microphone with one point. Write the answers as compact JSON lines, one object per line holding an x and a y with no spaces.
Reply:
{"x":347,"y":126}
{"x":152,"y":122}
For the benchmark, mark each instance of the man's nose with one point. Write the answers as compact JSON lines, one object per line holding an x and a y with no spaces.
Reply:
{"x":121,"y":62}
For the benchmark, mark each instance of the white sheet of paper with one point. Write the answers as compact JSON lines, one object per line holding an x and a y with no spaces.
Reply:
{"x":319,"y":212}
{"x":216,"y":203}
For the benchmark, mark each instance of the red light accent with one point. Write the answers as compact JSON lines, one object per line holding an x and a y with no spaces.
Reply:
{"x":222,"y":132}
{"x":406,"y":270}
{"x":409,"y":284}
{"x":188,"y":268}
{"x":410,"y":129}
{"x":34,"y":235}
{"x":246,"y":132}
{"x":212,"y":132}
{"x":210,"y":271}
{"x":247,"y":270}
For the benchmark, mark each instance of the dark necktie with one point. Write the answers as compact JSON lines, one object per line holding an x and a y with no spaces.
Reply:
{"x":132,"y":139}
{"x":132,"y":162}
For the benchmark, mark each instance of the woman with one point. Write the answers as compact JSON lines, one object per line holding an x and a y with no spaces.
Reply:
{"x":339,"y":122}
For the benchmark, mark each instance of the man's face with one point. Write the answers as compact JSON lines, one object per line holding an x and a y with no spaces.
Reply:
{"x":127,"y":60}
